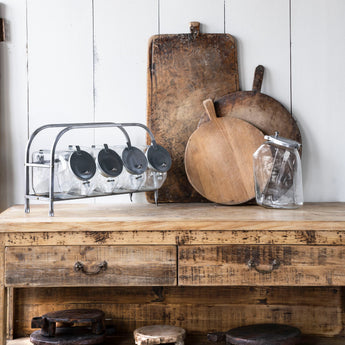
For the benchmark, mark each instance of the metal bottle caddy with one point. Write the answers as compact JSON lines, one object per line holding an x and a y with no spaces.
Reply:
{"x":108,"y":163}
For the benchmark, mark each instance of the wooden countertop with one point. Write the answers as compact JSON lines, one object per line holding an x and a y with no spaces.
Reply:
{"x":136,"y":217}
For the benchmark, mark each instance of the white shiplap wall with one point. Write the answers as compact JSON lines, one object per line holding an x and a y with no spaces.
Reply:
{"x":85,"y":60}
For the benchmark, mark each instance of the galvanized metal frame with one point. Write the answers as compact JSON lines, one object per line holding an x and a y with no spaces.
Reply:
{"x":66,"y":128}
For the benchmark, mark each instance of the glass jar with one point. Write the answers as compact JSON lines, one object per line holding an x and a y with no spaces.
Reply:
{"x":134,"y":175}
{"x":278,"y":173}
{"x":159,"y":162}
{"x":77,"y":169}
{"x":41,"y":176}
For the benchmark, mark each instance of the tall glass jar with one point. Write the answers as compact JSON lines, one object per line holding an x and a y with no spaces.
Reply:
{"x":278,"y":173}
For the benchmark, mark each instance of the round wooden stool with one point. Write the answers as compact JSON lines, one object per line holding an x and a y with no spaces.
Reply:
{"x":159,"y":334}
{"x":49,"y":334}
{"x":263,"y":334}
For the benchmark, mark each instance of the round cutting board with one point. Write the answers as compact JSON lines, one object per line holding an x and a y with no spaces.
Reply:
{"x":219,"y":158}
{"x":159,"y":334}
{"x":259,"y":109}
{"x":262,"y":334}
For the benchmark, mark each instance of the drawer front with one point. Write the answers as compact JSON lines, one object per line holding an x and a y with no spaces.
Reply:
{"x":90,"y":266}
{"x":262,"y":265}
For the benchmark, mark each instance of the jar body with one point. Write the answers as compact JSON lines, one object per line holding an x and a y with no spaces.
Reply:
{"x":40,"y":176}
{"x":278,"y":176}
{"x":70,"y":180}
{"x":66,"y":182}
{"x":94,"y":171}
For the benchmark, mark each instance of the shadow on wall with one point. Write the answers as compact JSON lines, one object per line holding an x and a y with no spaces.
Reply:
{"x":6,"y":167}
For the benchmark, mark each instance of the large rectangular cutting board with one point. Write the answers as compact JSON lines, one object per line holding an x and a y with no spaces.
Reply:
{"x":184,"y":70}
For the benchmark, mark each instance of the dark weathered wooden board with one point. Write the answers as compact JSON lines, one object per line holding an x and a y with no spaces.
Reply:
{"x":184,"y":70}
{"x":259,"y":109}
{"x":70,"y":317}
{"x":75,"y":315}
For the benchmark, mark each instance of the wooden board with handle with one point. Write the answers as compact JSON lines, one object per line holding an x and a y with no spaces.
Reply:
{"x":218,"y":158}
{"x":184,"y":70}
{"x":262,"y":111}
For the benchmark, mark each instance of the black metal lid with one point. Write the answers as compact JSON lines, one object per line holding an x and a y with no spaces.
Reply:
{"x":134,"y":160}
{"x":159,"y":158}
{"x":262,"y":334}
{"x":109,"y":162}
{"x":82,"y":164}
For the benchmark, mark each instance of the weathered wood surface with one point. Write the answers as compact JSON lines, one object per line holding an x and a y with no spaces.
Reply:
{"x":262,"y":265}
{"x":314,"y":310}
{"x":57,"y":266}
{"x":91,"y":220}
{"x":184,"y":70}
{"x":196,"y":309}
{"x":10,"y":314}
{"x":219,"y":158}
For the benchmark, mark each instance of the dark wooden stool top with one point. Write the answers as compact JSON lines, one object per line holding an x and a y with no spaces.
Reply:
{"x":50,"y":334}
{"x":263,"y":334}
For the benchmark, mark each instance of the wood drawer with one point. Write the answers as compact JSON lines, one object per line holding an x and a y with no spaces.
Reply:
{"x":90,"y":266}
{"x":265,"y":265}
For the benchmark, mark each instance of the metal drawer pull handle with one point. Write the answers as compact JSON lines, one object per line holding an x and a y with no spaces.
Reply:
{"x":275,"y":265}
{"x":79,"y":266}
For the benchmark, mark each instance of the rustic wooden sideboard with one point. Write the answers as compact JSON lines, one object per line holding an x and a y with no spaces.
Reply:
{"x":199,"y":266}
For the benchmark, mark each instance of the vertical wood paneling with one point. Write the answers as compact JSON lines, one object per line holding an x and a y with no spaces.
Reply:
{"x":122,"y":30}
{"x":13,"y":103}
{"x":262,"y":32}
{"x":318,"y":73}
{"x":60,"y":65}
{"x":175,"y":15}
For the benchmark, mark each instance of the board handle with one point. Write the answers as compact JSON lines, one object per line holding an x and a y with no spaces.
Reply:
{"x":194,"y":28}
{"x":210,"y":110}
{"x":258,"y":77}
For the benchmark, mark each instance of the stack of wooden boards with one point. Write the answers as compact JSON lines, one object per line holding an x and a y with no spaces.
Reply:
{"x":211,"y":151}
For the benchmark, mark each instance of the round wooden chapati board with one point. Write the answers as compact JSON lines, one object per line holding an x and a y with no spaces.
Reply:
{"x":262,"y":334}
{"x":159,"y":334}
{"x":219,"y":159}
{"x":259,"y":109}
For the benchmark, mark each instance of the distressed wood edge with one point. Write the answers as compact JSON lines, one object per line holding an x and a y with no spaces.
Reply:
{"x":10,"y":312}
{"x":179,"y":238}
{"x":167,"y":225}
